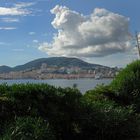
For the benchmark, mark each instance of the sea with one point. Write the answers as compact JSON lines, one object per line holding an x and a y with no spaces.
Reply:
{"x":82,"y":84}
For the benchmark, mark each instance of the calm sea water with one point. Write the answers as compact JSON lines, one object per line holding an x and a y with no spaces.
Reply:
{"x":82,"y":84}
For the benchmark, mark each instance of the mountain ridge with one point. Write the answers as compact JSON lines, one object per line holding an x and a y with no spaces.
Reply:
{"x":51,"y":61}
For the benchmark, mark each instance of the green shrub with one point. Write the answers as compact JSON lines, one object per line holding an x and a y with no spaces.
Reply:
{"x":57,"y":105}
{"x":103,"y":119}
{"x":127,"y":85}
{"x":100,"y":93}
{"x":4,"y":88}
{"x":29,"y":129}
{"x":31,"y":99}
{"x":6,"y":112}
{"x":63,"y":112}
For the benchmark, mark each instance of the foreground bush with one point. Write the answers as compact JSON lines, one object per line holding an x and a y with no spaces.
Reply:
{"x":126,"y":85}
{"x":58,"y":106}
{"x":104,"y":119}
{"x":29,"y":129}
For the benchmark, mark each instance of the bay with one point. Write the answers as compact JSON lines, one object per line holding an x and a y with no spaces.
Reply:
{"x":82,"y":84}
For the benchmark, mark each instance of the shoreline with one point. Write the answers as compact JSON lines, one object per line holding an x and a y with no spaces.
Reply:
{"x":56,"y":78}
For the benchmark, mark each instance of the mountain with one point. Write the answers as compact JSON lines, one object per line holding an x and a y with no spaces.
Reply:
{"x":5,"y":69}
{"x":51,"y":61}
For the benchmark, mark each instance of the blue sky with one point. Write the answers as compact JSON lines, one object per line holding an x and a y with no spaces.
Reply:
{"x":26,"y":32}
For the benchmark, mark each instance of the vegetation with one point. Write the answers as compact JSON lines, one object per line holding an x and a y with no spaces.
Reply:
{"x":126,"y":86}
{"x":44,"y":112}
{"x":28,"y":128}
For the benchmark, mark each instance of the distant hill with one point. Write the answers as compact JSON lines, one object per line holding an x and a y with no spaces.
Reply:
{"x":5,"y":69}
{"x":51,"y":61}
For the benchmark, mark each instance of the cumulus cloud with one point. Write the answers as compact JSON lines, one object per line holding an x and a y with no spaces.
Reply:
{"x":101,"y":33}
{"x":19,"y":9}
{"x":8,"y":28}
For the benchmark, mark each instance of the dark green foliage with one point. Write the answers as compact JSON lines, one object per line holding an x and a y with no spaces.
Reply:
{"x":126,"y":85}
{"x":6,"y":113}
{"x":4,"y":88}
{"x":103,"y":119}
{"x":100,"y":93}
{"x":28,"y":128}
{"x":57,"y":105}
{"x":62,"y":112}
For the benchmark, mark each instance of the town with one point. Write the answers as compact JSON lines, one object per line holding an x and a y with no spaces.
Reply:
{"x":56,"y":72}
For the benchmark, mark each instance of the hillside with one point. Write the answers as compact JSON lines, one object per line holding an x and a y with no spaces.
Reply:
{"x":5,"y":69}
{"x":52,"y":61}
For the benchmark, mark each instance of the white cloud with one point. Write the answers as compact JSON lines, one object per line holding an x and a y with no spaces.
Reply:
{"x":32,"y":33}
{"x":99,"y":34}
{"x":24,"y":4}
{"x":9,"y":20}
{"x":3,"y":44}
{"x":35,"y":41}
{"x":19,"y":9}
{"x":8,"y":28}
